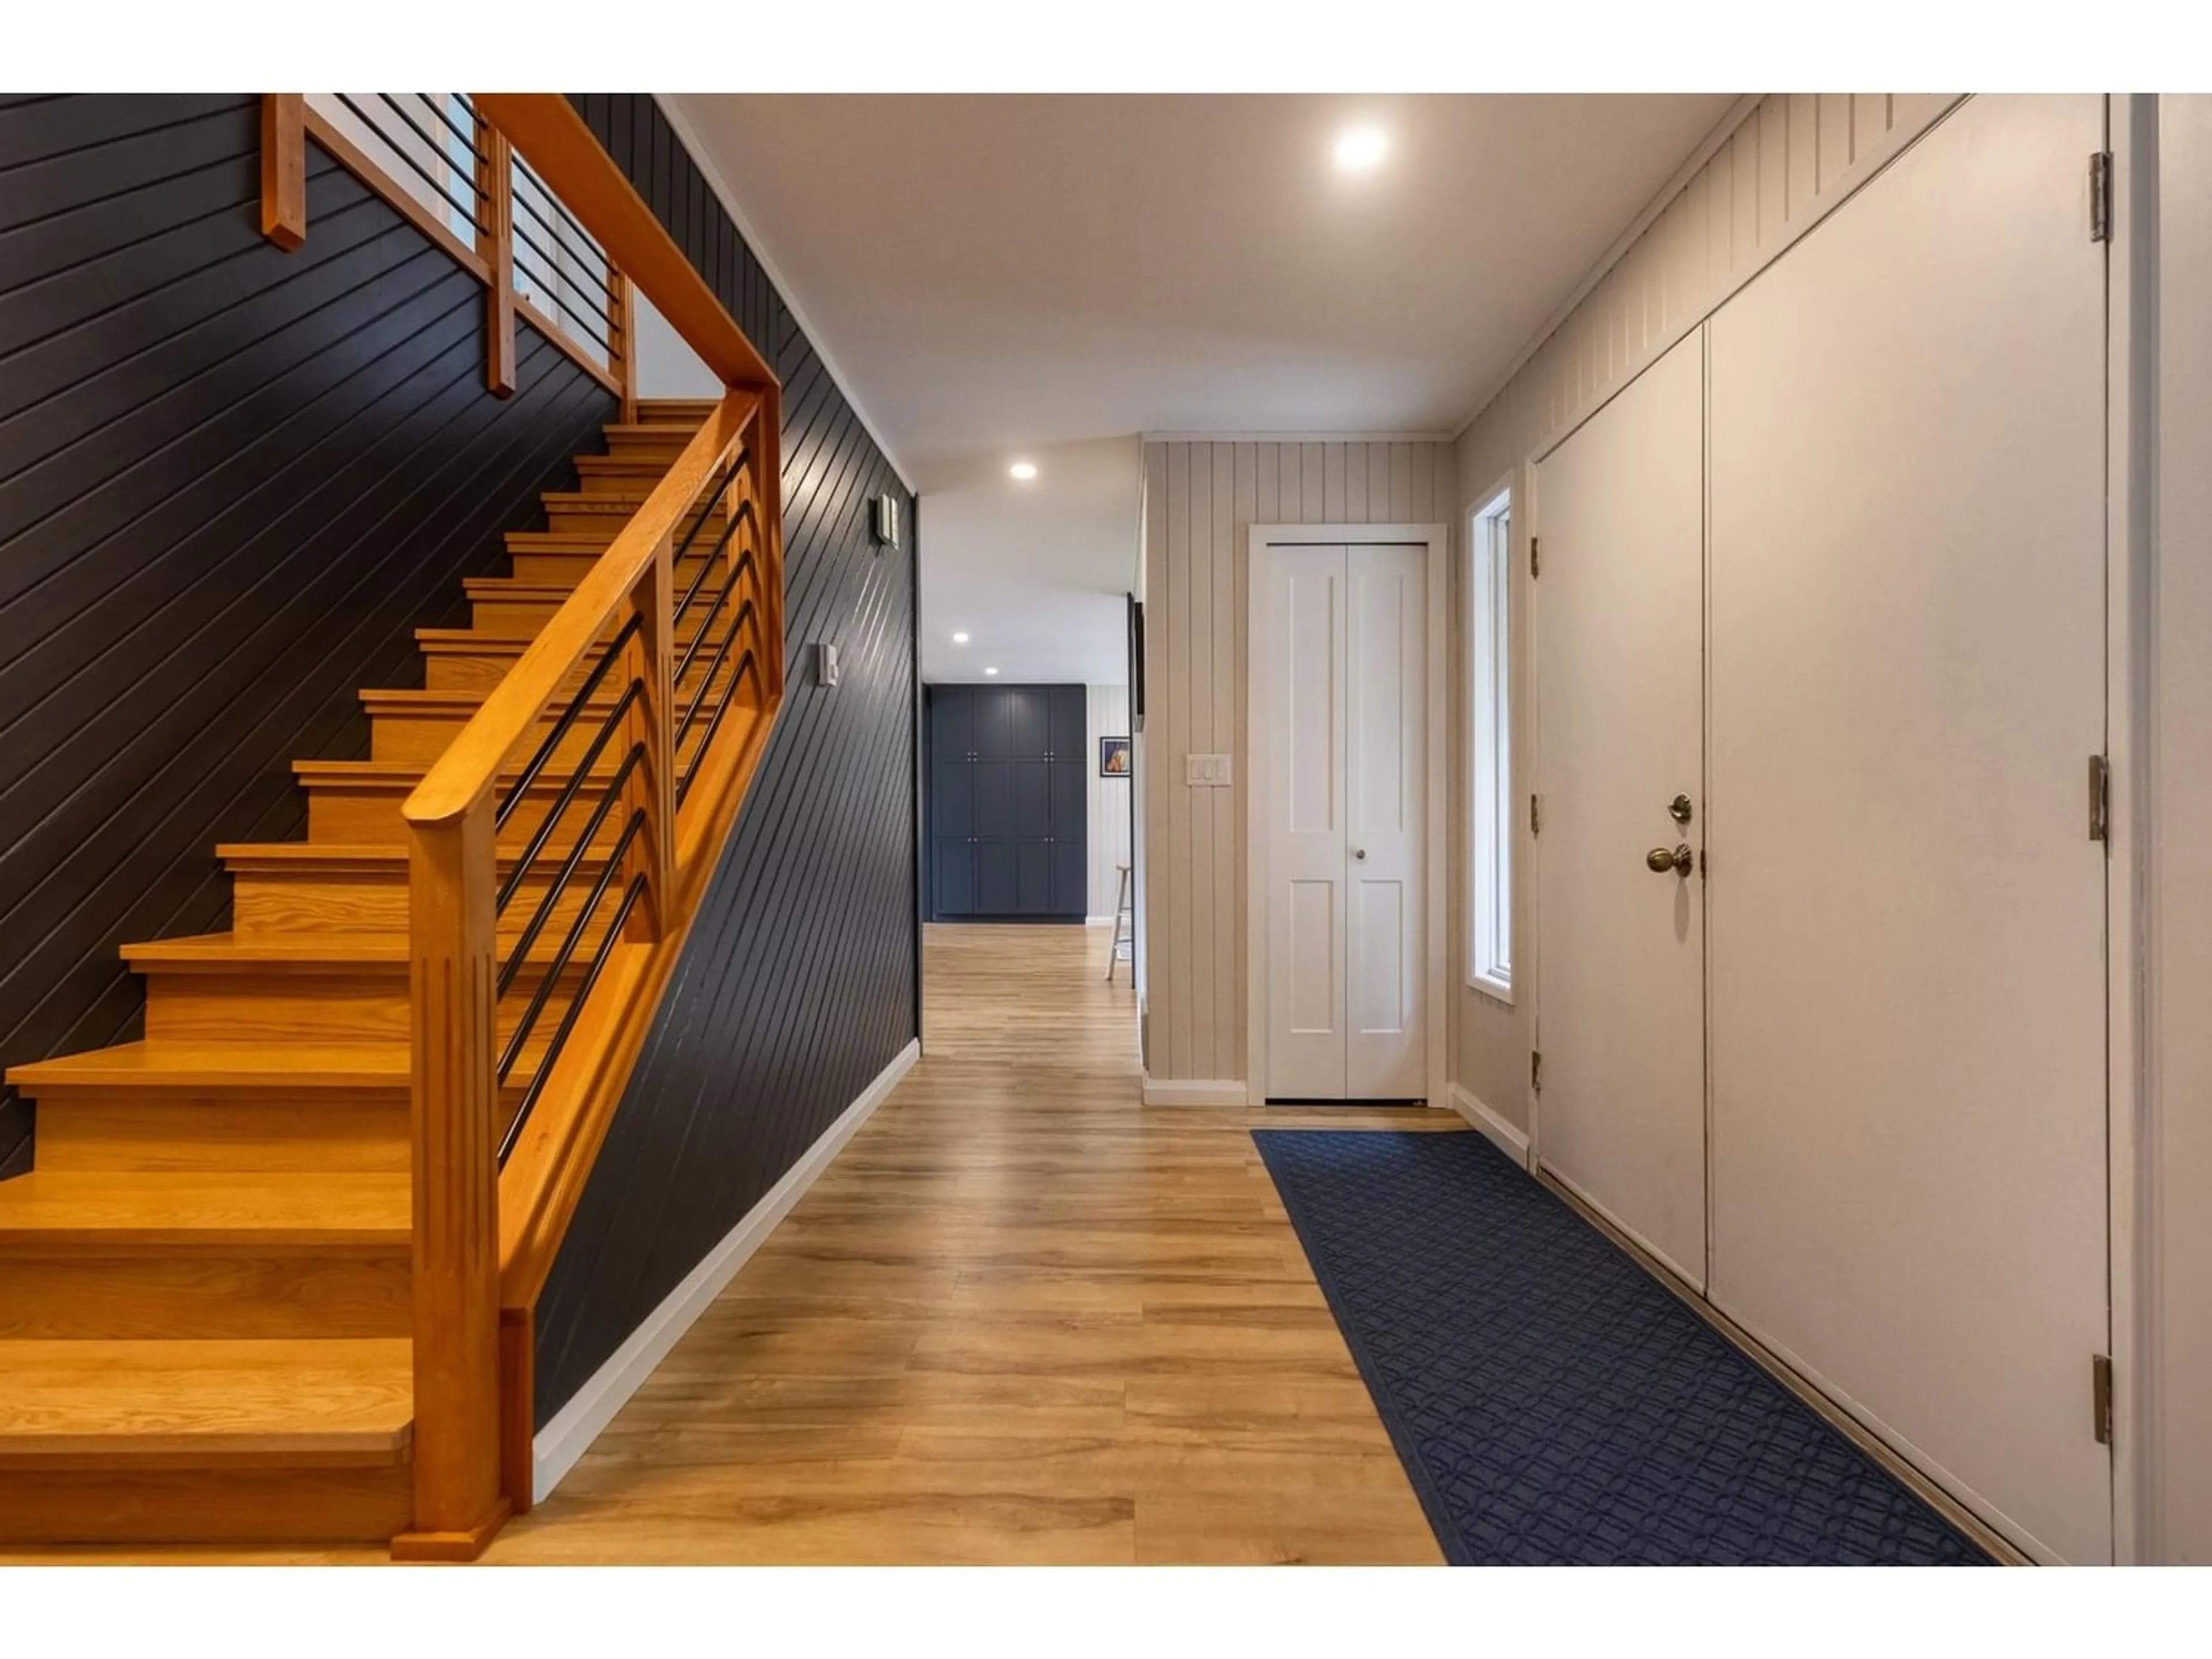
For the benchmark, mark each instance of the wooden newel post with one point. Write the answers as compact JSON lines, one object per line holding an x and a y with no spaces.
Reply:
{"x":285,"y":168}
{"x":496,"y":200}
{"x":451,"y":925}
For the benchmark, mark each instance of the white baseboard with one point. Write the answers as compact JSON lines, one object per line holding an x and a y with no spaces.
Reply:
{"x":1510,"y":1140}
{"x":1098,"y":921}
{"x":1194,"y":1091}
{"x":567,"y":1437}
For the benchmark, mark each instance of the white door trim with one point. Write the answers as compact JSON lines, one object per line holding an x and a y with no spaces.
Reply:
{"x":1437,"y":947}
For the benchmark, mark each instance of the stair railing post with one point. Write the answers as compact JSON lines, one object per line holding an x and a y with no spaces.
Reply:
{"x":495,"y":184}
{"x":452,"y":928}
{"x":621,"y":326}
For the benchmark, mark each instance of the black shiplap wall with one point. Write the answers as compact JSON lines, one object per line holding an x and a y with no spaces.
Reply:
{"x":797,"y":986}
{"x":233,"y":482}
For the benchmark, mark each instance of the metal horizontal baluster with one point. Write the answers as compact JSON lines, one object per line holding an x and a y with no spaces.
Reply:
{"x":559,"y":965}
{"x":628,"y":632}
{"x":436,"y":102}
{"x":568,"y":1019}
{"x":467,"y":210}
{"x":513,"y":965}
{"x":747,"y":665}
{"x":577,"y":779}
{"x":552,"y":258}
{"x":560,"y":207}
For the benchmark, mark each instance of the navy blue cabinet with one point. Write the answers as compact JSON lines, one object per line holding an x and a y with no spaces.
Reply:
{"x":1008,"y":802}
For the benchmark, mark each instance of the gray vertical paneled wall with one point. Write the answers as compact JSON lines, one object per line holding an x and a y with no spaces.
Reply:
{"x":1789,"y":162}
{"x":797,"y":987}
{"x":1200,"y":498}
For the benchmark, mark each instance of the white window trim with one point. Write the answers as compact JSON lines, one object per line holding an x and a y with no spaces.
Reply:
{"x":1490,"y":744}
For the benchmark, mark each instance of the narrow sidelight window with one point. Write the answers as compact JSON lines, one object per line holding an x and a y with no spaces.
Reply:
{"x":1490,"y":726}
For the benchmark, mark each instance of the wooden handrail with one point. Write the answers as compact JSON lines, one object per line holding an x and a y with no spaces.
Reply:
{"x":554,"y":139}
{"x":462,"y":778}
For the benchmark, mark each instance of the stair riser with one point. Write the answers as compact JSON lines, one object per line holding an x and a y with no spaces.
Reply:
{"x":448,"y":670}
{"x":153,"y":1295}
{"x":237,"y":1506}
{"x":362,"y":813}
{"x":266,"y":1006}
{"x":493,"y":613}
{"x":409,"y":735}
{"x":565,"y":567}
{"x":421,"y":737}
{"x":607,"y":518}
{"x":364,"y":1133}
{"x":305,"y":903}
{"x":661,"y":447}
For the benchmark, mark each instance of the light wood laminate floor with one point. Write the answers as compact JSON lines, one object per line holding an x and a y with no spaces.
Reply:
{"x":1021,"y":1318}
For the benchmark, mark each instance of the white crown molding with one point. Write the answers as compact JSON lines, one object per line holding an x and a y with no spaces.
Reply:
{"x":703,"y":159}
{"x":1738,"y":114}
{"x":1296,"y":437}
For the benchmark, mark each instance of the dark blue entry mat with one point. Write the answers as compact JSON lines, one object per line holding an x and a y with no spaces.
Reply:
{"x":1552,"y":1402}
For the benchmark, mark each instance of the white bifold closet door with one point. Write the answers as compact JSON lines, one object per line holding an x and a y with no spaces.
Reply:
{"x":1906,"y":910}
{"x":1346,"y":681}
{"x":1618,"y":626}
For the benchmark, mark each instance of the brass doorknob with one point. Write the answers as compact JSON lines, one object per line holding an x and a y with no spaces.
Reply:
{"x":1681,"y":860}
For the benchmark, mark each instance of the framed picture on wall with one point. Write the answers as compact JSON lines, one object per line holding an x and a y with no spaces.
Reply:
{"x":1113,"y":757}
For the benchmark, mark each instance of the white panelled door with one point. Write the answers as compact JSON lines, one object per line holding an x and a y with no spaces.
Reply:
{"x":1619,"y":623}
{"x":1344,"y":678}
{"x":1907,"y":910}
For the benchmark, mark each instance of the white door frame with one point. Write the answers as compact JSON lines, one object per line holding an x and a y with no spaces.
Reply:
{"x":1435,"y":946}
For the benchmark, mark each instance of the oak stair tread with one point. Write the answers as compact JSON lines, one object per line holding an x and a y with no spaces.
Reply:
{"x":330,"y":1401}
{"x":379,"y":856}
{"x":98,"y":1209}
{"x":408,"y":773}
{"x":234,"y":1067}
{"x":320,"y":951}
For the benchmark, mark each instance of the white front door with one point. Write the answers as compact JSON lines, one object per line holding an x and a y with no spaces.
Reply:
{"x":1619,"y":648}
{"x":1346,"y":724}
{"x":1907,"y":907}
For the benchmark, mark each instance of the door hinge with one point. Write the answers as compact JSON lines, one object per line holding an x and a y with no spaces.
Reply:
{"x":2100,"y":1396}
{"x":1535,"y":817}
{"x":1536,"y":1070}
{"x":1535,"y":556}
{"x":2100,"y":796}
{"x":2101,"y":197}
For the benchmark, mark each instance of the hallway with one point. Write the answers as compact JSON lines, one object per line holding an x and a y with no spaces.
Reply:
{"x":1019,"y":1319}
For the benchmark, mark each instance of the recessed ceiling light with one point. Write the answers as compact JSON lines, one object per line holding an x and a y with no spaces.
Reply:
{"x":1023,"y":470}
{"x":1361,"y":149}
{"x":959,"y":639}
{"x":990,"y":671}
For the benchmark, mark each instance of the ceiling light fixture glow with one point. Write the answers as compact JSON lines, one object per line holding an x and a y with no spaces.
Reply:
{"x":1361,"y":149}
{"x":1023,"y":470}
{"x":990,"y":671}
{"x":959,"y":639}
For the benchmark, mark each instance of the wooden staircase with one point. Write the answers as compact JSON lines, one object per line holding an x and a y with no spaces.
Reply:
{"x":207,"y":1306}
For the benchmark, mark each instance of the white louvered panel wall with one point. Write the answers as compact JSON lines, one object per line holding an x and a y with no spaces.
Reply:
{"x":1200,"y":500}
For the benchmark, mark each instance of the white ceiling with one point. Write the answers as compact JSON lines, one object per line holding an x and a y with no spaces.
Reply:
{"x":1045,"y":277}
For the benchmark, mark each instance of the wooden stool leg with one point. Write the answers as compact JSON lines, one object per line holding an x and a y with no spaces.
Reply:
{"x":1120,"y":909}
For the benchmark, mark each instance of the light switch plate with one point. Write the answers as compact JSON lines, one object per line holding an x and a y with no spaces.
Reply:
{"x":825,"y":664}
{"x":1207,"y":771}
